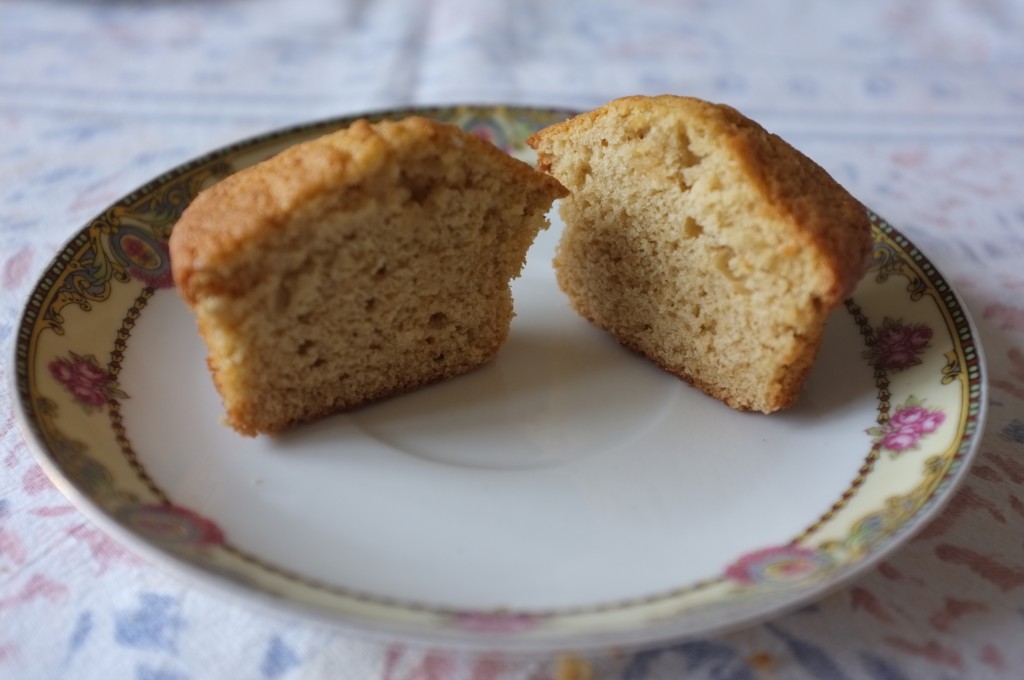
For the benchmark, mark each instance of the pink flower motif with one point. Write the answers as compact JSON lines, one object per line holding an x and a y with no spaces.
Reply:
{"x":148,"y":258}
{"x":172,"y":524}
{"x":88,"y":372}
{"x":82,"y":376}
{"x":932,"y":422}
{"x":909,"y":418}
{"x":484,"y":133}
{"x":92,"y":395}
{"x":778,"y":565}
{"x":898,"y":346}
{"x":906,"y":426}
{"x":62,"y":371}
{"x":917,"y":420}
{"x":900,"y":440}
{"x":490,"y":133}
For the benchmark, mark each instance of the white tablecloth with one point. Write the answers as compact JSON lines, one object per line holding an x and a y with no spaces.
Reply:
{"x":918,"y":108}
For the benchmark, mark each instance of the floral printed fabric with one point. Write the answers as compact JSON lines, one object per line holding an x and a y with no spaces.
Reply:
{"x":916,"y":107}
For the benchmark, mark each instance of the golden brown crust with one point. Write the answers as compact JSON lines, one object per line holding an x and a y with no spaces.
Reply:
{"x":703,"y":242}
{"x":264,"y":197}
{"x":356,"y":266}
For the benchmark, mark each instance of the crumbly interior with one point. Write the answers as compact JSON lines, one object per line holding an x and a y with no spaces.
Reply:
{"x":671,"y":245}
{"x":371,"y":290}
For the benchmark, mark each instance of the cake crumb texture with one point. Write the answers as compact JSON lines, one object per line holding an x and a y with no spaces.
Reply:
{"x":704,"y":242}
{"x":355,"y":266}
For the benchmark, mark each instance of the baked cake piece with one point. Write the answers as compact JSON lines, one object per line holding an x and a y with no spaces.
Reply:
{"x":356,"y":266}
{"x":703,"y":242}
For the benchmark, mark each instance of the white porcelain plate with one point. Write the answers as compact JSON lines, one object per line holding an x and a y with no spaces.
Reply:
{"x":569,"y":495}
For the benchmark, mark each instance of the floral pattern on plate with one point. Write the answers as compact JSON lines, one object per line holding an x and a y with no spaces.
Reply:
{"x":86,"y":305}
{"x":90,"y":385}
{"x":910,"y":422}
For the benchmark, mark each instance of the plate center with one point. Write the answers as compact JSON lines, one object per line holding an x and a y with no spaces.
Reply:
{"x":543,"y":401}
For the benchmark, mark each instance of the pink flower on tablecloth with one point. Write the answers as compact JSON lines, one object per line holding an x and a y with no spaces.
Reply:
{"x":105,"y":551}
{"x":778,"y":565}
{"x":898,"y":345}
{"x":88,"y":384}
{"x":911,"y":421}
